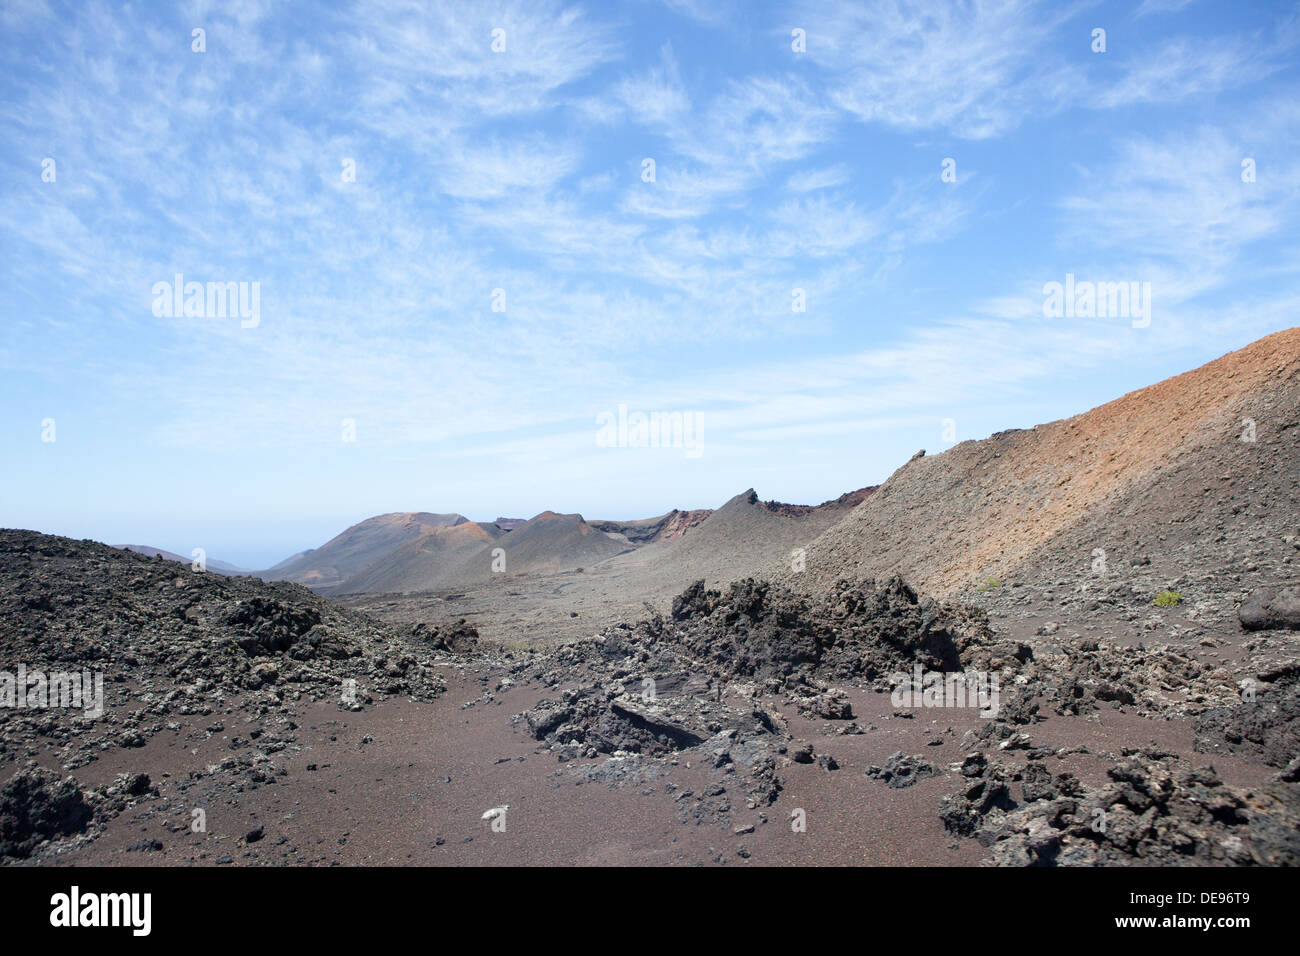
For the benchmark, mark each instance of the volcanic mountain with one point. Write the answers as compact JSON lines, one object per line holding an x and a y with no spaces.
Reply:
{"x":651,"y":557}
{"x":359,"y":547}
{"x":440,"y":556}
{"x":557,"y":542}
{"x":466,"y":554}
{"x":404,"y":553}
{"x":1192,"y":476}
{"x":738,"y":539}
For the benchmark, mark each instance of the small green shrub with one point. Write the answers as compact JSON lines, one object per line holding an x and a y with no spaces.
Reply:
{"x":989,"y":584}
{"x":1167,"y":598}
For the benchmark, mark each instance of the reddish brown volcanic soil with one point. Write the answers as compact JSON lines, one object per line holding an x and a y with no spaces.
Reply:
{"x":380,"y":794}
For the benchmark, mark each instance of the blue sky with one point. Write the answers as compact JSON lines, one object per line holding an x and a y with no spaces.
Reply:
{"x":521,"y":170}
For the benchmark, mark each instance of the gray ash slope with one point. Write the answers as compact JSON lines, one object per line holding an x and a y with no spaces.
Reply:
{"x":413,"y":553}
{"x":1159,"y":479}
{"x":540,"y":600}
{"x":1214,"y":519}
{"x":221,"y":567}
{"x":742,"y":536}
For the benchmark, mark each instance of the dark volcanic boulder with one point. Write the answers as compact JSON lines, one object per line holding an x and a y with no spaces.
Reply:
{"x":1155,"y":814}
{"x":1264,"y":724}
{"x":857,"y":629}
{"x":547,"y":717}
{"x":695,"y":601}
{"x":35,"y":805}
{"x":902,"y":770}
{"x":1271,"y":609}
{"x":460,"y":637}
{"x":271,"y":625}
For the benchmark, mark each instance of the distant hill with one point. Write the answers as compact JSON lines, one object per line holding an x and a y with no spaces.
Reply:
{"x":358,"y":547}
{"x":413,"y":552}
{"x":463,"y":555}
{"x":737,"y":540}
{"x":291,"y":559}
{"x":443,"y":554}
{"x":557,"y":542}
{"x":220,"y":567}
{"x":666,"y":527}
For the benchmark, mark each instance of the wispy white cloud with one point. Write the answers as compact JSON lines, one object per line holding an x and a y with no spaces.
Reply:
{"x":494,"y":169}
{"x":1154,"y":7}
{"x":1186,"y":67}
{"x":656,"y":98}
{"x":1175,"y":210}
{"x":980,"y":69}
{"x":520,"y":171}
{"x":809,"y":180}
{"x":974,"y":68}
